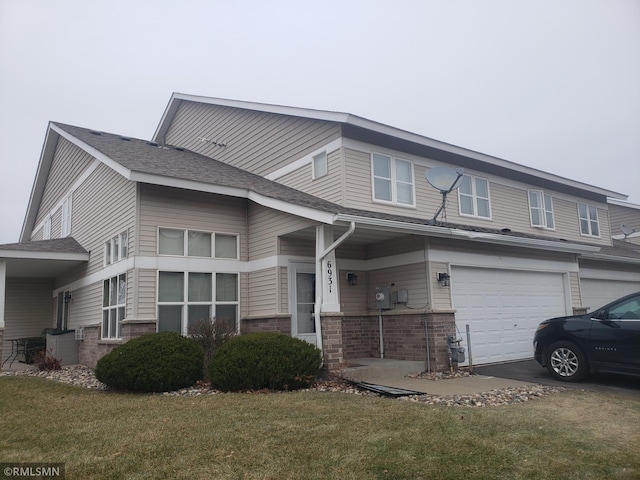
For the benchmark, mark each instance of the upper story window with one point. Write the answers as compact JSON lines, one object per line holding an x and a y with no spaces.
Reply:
{"x":193,"y":243}
{"x":588,"y":215}
{"x":66,"y":217}
{"x":115,"y":249}
{"x":320,"y":166}
{"x":541,"y":209}
{"x":473,"y":196}
{"x":392,"y":180}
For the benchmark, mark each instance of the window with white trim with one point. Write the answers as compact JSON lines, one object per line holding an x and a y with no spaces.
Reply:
{"x":187,"y":297}
{"x":392,"y":180}
{"x":114,"y":296}
{"x":193,"y":243}
{"x":115,"y":249}
{"x":66,"y":217}
{"x":320,"y":166}
{"x":541,"y":209}
{"x":473,"y":197}
{"x":588,"y":216}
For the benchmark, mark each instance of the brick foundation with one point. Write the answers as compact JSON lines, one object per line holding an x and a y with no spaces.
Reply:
{"x":332,"y":342}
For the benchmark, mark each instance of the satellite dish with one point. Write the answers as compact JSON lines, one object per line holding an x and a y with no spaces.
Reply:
{"x":446,"y":180}
{"x":626,"y":230}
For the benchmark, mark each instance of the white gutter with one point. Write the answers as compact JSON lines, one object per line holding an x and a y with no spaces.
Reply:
{"x":319,"y":258}
{"x":446,"y":232}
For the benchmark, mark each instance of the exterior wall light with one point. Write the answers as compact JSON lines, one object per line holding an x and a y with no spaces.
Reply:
{"x":352,"y":278}
{"x":444,"y":279}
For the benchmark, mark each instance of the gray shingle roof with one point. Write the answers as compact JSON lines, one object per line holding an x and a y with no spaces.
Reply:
{"x":57,"y":245}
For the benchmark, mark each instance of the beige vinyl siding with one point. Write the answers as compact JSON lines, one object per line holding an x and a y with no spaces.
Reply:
{"x":103,"y":207}
{"x":146,"y":287}
{"x":329,"y":187}
{"x":85,"y":307}
{"x":28,"y":310}
{"x":263,"y":294}
{"x":266,"y":225}
{"x":410,"y":277}
{"x":574,"y":289}
{"x":406,"y":244}
{"x":69,"y":162}
{"x":255,"y":141}
{"x":441,"y":295}
{"x":623,"y":215}
{"x":283,"y":279}
{"x":298,"y":247}
{"x":182,"y":209}
{"x":353,"y":298}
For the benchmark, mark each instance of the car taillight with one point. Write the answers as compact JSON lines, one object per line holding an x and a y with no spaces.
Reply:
{"x":542,"y":326}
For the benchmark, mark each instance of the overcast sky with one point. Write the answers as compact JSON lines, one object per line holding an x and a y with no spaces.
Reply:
{"x":551,"y":84}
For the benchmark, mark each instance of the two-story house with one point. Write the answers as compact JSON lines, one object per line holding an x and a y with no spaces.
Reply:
{"x":316,"y":224}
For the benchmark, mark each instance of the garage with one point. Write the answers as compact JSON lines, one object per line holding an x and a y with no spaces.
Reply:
{"x":598,"y":292}
{"x":503,"y":309}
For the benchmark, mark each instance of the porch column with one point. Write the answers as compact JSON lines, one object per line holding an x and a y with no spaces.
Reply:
{"x":3,"y":287}
{"x":329,"y":273}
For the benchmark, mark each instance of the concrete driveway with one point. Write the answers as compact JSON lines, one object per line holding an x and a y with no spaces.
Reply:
{"x":530,"y":371}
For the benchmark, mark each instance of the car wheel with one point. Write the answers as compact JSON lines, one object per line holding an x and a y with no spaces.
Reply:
{"x":566,"y":362}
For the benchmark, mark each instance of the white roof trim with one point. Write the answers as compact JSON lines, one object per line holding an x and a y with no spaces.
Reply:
{"x":611,"y":258}
{"x":41,"y":255}
{"x":445,"y":232}
{"x":361,"y":122}
{"x":620,"y":203}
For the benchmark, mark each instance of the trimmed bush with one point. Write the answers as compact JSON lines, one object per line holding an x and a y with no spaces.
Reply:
{"x":157,"y":362}
{"x":264,"y":360}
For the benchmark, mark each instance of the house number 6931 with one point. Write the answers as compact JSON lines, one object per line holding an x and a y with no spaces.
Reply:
{"x":330,"y":275}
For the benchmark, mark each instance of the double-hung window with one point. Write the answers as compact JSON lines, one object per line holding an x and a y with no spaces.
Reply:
{"x":184,"y":298}
{"x":114,"y":294}
{"x":392,"y":180}
{"x":541,"y":209}
{"x":473,"y":197}
{"x":588,"y":216}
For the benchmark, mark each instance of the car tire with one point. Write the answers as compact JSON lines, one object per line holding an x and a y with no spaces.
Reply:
{"x":566,"y":362}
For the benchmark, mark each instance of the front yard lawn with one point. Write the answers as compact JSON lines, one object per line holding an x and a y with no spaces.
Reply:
{"x":307,"y":435}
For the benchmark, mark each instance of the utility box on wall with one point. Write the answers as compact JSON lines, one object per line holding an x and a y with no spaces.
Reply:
{"x":383,"y":298}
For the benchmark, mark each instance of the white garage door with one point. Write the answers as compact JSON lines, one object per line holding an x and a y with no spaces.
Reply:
{"x":503,"y":309}
{"x":597,"y":293}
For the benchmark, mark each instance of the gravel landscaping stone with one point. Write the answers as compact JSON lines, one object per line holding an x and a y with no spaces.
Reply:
{"x":84,"y":377}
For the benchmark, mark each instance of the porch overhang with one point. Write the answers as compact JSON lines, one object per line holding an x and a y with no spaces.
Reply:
{"x":42,"y":259}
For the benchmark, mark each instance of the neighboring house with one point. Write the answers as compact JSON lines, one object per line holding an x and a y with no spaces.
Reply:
{"x":311,"y":223}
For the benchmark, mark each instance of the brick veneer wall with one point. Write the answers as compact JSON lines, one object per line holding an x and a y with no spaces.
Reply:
{"x":333,"y":342}
{"x":278,"y":324}
{"x":403,"y":335}
{"x":92,"y":348}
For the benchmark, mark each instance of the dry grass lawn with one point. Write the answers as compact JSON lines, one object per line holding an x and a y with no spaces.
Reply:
{"x":309,"y":435}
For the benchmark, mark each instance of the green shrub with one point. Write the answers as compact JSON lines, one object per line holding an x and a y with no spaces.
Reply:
{"x":264,"y":360}
{"x":157,"y":362}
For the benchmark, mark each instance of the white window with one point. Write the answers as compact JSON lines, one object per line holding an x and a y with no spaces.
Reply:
{"x":541,"y":209}
{"x":115,"y":249}
{"x":194,"y":243}
{"x":187,"y":297}
{"x":473,"y":197}
{"x":66,"y":217}
{"x":46,"y":229}
{"x":320,"y":167}
{"x":588,"y":215}
{"x":392,"y":180}
{"x":114,"y":294}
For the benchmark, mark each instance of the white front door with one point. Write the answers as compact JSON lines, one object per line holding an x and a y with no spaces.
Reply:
{"x":302,"y":294}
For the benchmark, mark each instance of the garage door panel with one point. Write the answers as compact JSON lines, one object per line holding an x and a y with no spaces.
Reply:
{"x":597,"y":293}
{"x":503,"y":309}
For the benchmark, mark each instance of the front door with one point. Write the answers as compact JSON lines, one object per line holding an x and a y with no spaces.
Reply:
{"x":302,"y":301}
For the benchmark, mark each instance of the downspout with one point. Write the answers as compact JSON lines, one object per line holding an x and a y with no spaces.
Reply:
{"x":320,"y":256}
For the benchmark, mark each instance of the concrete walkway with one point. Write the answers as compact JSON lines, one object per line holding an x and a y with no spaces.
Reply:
{"x":392,"y":373}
